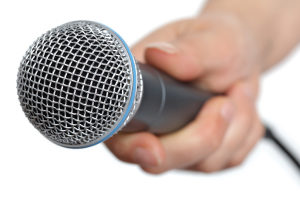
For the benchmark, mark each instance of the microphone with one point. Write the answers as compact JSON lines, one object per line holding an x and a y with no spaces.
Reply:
{"x":79,"y":84}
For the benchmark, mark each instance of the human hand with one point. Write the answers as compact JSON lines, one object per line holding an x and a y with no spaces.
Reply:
{"x":216,"y":53}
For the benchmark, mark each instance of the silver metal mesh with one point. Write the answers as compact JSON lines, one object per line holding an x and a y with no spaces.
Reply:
{"x":75,"y":82}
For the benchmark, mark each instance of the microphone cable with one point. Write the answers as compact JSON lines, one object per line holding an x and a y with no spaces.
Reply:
{"x":269,"y":134}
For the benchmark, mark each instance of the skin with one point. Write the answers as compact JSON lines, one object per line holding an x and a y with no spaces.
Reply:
{"x":226,"y":48}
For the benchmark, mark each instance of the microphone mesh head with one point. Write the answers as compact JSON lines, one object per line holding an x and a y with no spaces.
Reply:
{"x":78,"y":84}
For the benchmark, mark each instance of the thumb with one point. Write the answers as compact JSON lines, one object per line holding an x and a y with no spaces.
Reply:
{"x":205,"y":56}
{"x":175,"y":58}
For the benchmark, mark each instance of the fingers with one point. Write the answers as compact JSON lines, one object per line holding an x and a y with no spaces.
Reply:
{"x":237,"y":132}
{"x":197,"y":140}
{"x":244,"y":131}
{"x":190,"y":144}
{"x":141,"y":148}
{"x":239,"y":155}
{"x":255,"y":135}
{"x":202,"y":145}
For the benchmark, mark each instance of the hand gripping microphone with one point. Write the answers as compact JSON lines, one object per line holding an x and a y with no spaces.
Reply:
{"x":79,"y":84}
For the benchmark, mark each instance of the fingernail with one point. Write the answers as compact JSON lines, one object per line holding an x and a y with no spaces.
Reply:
{"x":227,"y":111}
{"x":164,"y":46}
{"x":145,"y":158}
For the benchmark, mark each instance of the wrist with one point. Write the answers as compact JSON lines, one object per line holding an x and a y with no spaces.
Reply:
{"x":247,"y":44}
{"x":273,"y":25}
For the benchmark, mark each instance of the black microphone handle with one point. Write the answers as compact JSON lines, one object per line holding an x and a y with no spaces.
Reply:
{"x":167,"y":104}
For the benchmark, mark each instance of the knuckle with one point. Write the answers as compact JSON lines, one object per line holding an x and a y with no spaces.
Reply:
{"x":154,"y":171}
{"x":217,"y":85}
{"x":118,"y":148}
{"x":208,"y":168}
{"x":184,"y":74}
{"x":236,"y":162}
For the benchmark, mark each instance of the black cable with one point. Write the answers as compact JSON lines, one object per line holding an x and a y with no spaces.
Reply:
{"x":270,"y":135}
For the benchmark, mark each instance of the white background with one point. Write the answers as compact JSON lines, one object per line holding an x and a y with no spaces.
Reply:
{"x":32,"y":168}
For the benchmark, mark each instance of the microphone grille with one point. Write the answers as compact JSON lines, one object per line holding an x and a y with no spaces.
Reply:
{"x":77,"y":83}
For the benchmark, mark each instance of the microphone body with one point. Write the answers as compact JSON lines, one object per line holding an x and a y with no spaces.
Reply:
{"x":79,"y":84}
{"x":166,"y":103}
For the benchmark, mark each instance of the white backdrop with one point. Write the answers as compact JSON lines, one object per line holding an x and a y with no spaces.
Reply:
{"x":32,"y":168}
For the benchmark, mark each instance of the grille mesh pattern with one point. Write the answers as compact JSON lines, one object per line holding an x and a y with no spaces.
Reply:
{"x":74,"y":83}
